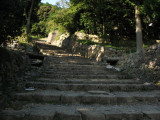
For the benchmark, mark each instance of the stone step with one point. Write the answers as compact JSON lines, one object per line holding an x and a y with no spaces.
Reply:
{"x":90,"y":97}
{"x":70,"y":57}
{"x":88,"y":81}
{"x":81,"y":73}
{"x":88,"y":87}
{"x":86,"y":76}
{"x":83,"y":112}
{"x":74,"y":66}
{"x":70,"y":69}
{"x":80,"y":62}
{"x":78,"y":69}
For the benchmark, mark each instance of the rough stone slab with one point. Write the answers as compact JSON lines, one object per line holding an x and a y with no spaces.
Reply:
{"x":67,"y":116}
{"x":69,"y":70}
{"x":88,"y":87}
{"x":76,"y":65}
{"x":91,"y":68}
{"x":83,"y":70}
{"x":79,"y":97}
{"x":79,"y":73}
{"x":151,"y":114}
{"x":99,"y":92}
{"x":87,"y":76}
{"x":86,"y":115}
{"x":81,"y":112}
{"x":88,"y":81}
{"x":124,"y":116}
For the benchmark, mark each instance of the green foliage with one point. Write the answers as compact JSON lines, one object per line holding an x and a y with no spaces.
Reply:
{"x":45,"y":22}
{"x":38,"y":28}
{"x":102,"y":17}
{"x":14,"y":14}
{"x":113,"y":21}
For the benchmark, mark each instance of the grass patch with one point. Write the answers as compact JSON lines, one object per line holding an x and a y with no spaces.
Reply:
{"x":114,"y":47}
{"x":158,"y":83}
{"x":89,"y":42}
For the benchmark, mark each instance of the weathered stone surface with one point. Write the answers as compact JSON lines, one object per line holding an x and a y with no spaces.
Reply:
{"x":87,"y":115}
{"x":52,"y":36}
{"x":79,"y":97}
{"x":67,"y":116}
{"x":87,"y":87}
{"x":62,"y":95}
{"x":81,"y":112}
{"x":96,"y":52}
{"x":89,"y":81}
{"x":98,"y":92}
{"x":151,"y":114}
{"x":145,"y":67}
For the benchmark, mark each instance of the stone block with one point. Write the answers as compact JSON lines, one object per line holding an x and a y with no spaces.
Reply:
{"x":90,"y":115}
{"x":67,"y":116}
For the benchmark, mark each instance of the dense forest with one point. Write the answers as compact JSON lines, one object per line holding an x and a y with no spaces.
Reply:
{"x":111,"y":20}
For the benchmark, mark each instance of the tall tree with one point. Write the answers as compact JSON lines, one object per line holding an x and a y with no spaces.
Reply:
{"x":30,"y":6}
{"x":113,"y":20}
{"x":138,"y":25}
{"x":28,"y":16}
{"x":139,"y":40}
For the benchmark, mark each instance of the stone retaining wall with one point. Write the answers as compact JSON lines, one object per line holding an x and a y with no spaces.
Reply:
{"x":13,"y":65}
{"x":96,"y":52}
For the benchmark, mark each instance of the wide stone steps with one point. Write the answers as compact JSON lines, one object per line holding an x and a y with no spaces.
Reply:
{"x":88,"y":81}
{"x":74,"y":88}
{"x":90,"y":97}
{"x":83,"y":112}
{"x":88,"y":87}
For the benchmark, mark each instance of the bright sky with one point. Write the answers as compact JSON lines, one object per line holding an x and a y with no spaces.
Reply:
{"x":53,"y":2}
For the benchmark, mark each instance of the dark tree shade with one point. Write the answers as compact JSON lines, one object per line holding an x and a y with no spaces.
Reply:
{"x":11,"y":18}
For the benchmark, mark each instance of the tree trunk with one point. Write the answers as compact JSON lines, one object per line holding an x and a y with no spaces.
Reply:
{"x":138,"y":31}
{"x":103,"y":30}
{"x":28,"y":18}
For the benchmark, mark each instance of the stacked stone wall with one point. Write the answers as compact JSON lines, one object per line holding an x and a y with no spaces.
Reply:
{"x":96,"y":52}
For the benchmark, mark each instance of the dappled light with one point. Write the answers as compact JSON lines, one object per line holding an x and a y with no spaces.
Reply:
{"x":152,"y":64}
{"x":80,"y":60}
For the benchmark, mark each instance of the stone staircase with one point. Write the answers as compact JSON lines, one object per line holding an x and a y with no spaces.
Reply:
{"x":75,"y":88}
